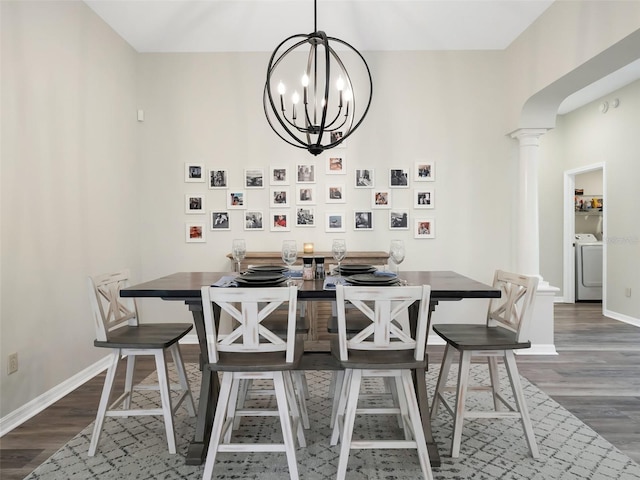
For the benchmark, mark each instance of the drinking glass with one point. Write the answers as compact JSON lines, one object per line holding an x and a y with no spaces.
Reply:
{"x":397,"y":253}
{"x":339,"y":251}
{"x":238,"y":251}
{"x":289,"y":252}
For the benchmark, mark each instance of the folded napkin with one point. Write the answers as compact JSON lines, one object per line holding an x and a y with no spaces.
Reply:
{"x":293,"y":273}
{"x":382,"y":273}
{"x":226,"y":281}
{"x":330,"y":282}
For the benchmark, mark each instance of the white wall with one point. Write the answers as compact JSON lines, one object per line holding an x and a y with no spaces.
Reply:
{"x":587,"y":137}
{"x":69,"y":186}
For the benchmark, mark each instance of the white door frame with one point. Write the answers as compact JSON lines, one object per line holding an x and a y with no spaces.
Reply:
{"x":569,"y":258}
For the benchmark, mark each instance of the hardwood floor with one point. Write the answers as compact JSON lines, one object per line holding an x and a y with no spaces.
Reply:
{"x":596,"y":376}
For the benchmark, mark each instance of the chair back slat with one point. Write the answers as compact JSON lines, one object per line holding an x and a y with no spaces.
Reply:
{"x":110,"y":311}
{"x":249,"y":307}
{"x":385,"y":307}
{"x":513,"y":310}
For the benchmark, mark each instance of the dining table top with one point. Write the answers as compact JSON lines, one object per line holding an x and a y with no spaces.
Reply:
{"x":445,"y":285}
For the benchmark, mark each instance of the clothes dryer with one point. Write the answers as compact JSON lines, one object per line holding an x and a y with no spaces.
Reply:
{"x":588,"y":267}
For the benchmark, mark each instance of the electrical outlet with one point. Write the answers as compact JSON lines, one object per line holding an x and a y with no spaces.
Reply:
{"x":627,"y":292}
{"x":12,"y":366}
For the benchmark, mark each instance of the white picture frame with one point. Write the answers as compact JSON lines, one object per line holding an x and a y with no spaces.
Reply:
{"x":362,"y":220}
{"x":254,"y":177}
{"x":306,"y":195}
{"x":279,"y":197}
{"x":335,"y":222}
{"x":253,"y":220}
{"x":237,"y":199}
{"x":280,"y":220}
{"x":306,"y":173}
{"x":424,"y":198}
{"x":336,"y":193}
{"x":380,"y":198}
{"x":278,"y":175}
{"x":194,"y":203}
{"x":195,"y":232}
{"x":194,"y":172}
{"x":398,"y":178}
{"x":424,"y":228}
{"x":218,"y":179}
{"x":220,"y":220}
{"x":398,"y":219}
{"x":305,"y":216}
{"x":364,"y":178}
{"x":424,"y":171}
{"x":336,"y":163}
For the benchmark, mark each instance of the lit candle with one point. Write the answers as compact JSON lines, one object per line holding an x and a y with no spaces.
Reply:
{"x":308,"y":248}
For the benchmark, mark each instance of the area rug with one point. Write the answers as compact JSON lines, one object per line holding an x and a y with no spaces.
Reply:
{"x":135,"y":447}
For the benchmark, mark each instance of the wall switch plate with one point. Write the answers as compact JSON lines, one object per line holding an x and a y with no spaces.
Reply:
{"x":12,"y":366}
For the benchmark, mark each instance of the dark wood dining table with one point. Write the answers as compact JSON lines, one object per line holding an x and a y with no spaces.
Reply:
{"x":185,"y":287}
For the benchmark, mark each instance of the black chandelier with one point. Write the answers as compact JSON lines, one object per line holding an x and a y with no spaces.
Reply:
{"x":327,"y":115}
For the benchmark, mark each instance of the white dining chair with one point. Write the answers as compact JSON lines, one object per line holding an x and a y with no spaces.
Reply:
{"x":118,"y":328}
{"x":385,"y":348}
{"x":252,"y":352}
{"x":506,"y":329}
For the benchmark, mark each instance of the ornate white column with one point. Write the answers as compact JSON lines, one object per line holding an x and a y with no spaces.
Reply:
{"x":528,"y":239}
{"x":528,"y":231}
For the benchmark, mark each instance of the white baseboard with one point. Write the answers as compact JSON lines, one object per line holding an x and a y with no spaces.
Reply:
{"x":38,"y":404}
{"x":623,"y":318}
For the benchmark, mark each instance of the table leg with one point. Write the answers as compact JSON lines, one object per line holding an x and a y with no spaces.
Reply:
{"x":209,"y":389}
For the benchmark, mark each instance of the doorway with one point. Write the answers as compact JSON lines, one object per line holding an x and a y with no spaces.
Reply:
{"x":584,"y":196}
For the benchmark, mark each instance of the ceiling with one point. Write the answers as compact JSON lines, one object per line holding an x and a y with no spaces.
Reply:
{"x":369,"y":25}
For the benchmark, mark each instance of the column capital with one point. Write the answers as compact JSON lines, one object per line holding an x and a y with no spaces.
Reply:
{"x":529,"y":136}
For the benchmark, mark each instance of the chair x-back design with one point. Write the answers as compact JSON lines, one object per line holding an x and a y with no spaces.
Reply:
{"x":506,"y":329}
{"x":252,"y":352}
{"x":118,"y":328}
{"x":390,"y":348}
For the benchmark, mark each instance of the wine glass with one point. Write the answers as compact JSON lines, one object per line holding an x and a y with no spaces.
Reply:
{"x":339,"y":251}
{"x":289,"y":253}
{"x":397,"y":253}
{"x":238,"y":250}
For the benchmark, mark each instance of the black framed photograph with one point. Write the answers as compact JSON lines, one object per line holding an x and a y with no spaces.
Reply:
{"x":253,"y":220}
{"x":306,"y":217}
{"x":194,"y":233}
{"x":398,"y":219}
{"x":424,"y":171}
{"x":280,"y":221}
{"x":399,"y":178}
{"x":279,"y":175}
{"x":194,"y":203}
{"x":423,"y":198}
{"x":193,"y":172}
{"x":279,"y":197}
{"x":363,"y":220}
{"x":306,"y":173}
{"x":424,"y":228}
{"x":380,"y":198}
{"x":254,"y":178}
{"x":336,"y":136}
{"x":236,"y":199}
{"x":364,"y":178}
{"x":306,"y":195}
{"x":218,"y":179}
{"x":220,"y":221}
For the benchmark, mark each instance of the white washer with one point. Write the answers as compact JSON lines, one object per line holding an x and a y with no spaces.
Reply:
{"x":588,"y":267}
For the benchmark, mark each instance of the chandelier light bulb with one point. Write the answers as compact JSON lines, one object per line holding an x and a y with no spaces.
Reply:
{"x":305,"y":80}
{"x":295,"y":98}
{"x":340,"y":83}
{"x":282,"y":89}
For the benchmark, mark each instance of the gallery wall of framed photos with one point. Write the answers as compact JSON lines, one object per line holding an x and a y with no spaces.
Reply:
{"x":313,"y":193}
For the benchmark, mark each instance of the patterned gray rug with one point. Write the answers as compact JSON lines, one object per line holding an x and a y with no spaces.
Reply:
{"x":135,"y":447}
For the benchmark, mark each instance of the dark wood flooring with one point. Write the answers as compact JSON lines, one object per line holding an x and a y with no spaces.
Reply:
{"x":596,"y":376}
